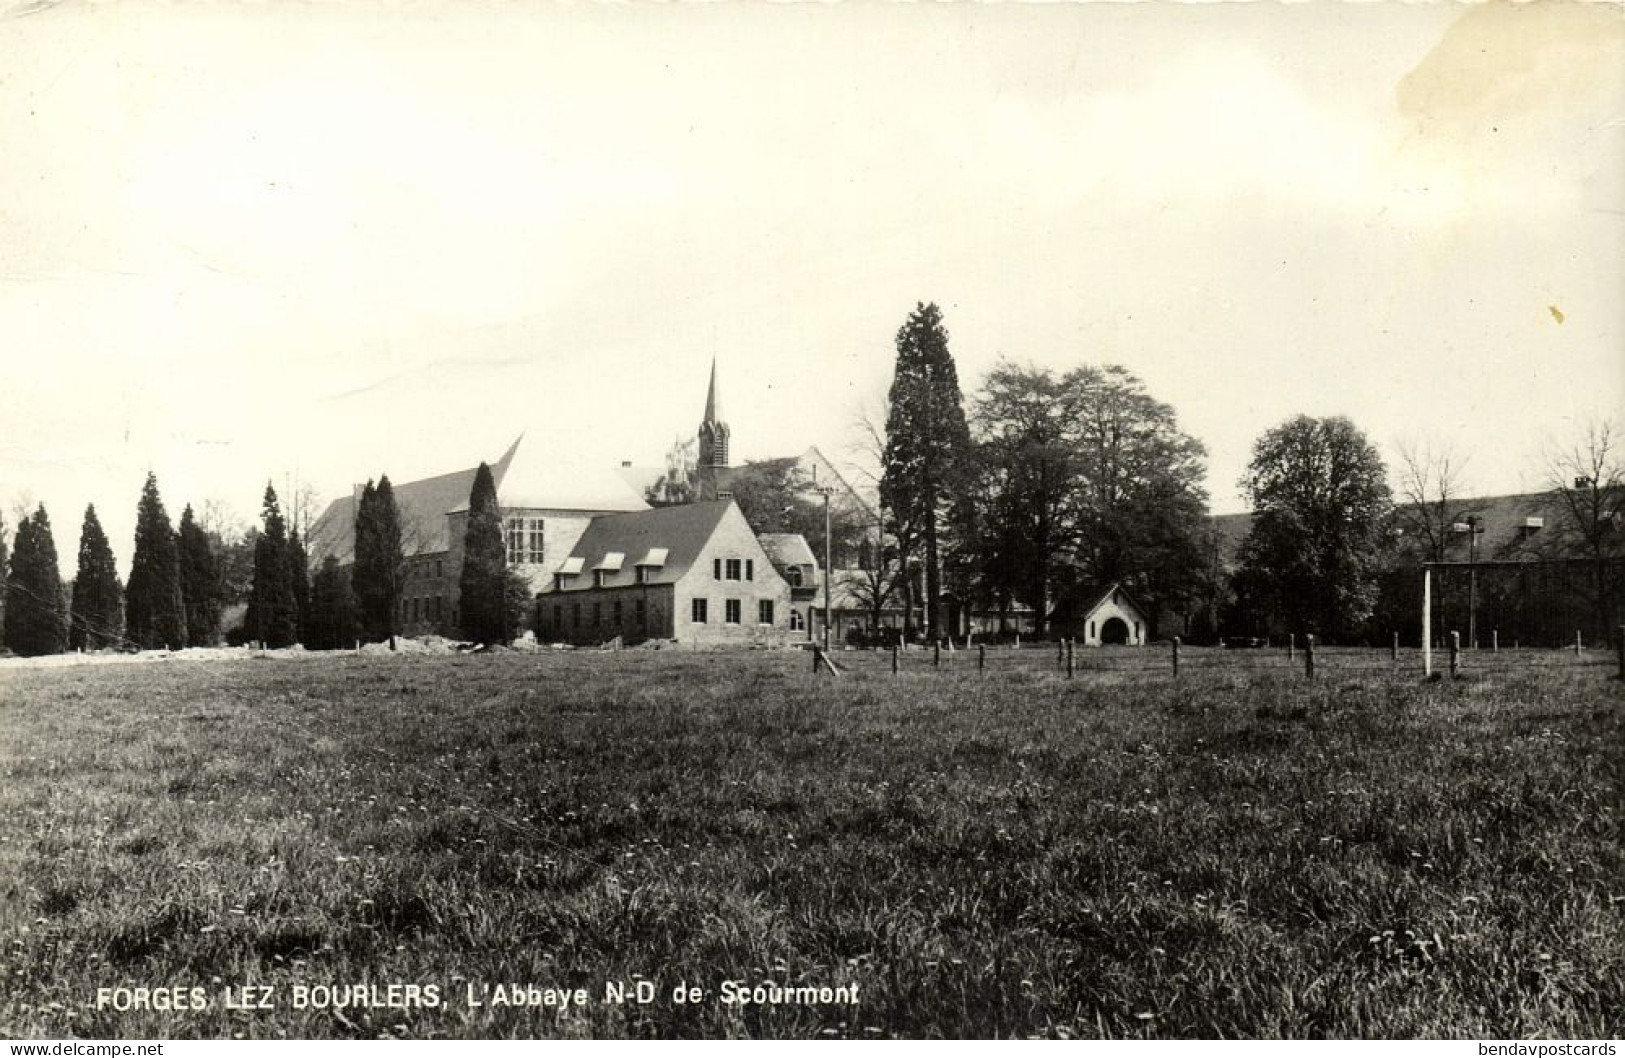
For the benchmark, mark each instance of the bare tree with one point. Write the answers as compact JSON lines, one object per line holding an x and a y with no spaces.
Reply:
{"x":1429,"y":490}
{"x":1586,"y":478}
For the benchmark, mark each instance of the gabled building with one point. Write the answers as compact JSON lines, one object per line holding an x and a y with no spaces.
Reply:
{"x":693,"y":573}
{"x":546,"y":506}
{"x":794,"y":560}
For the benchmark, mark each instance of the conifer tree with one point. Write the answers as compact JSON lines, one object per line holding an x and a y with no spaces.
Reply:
{"x":380,"y":562}
{"x":272,"y":618}
{"x":98,"y":597}
{"x":482,"y":587}
{"x":299,"y":582}
{"x":332,"y":623}
{"x":154,"y":609}
{"x":34,"y":611}
{"x":200,"y":581}
{"x":5,"y":565}
{"x":927,"y":441}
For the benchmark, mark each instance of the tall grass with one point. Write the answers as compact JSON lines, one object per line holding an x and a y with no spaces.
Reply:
{"x":1000,"y":854}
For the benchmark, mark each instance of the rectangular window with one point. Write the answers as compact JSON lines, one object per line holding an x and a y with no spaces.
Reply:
{"x":764,"y":612}
{"x":642,"y":573}
{"x":730,"y":611}
{"x":716,"y":569}
{"x":750,"y":569}
{"x":558,"y":617}
{"x":598,"y":577}
{"x":642,"y":611}
{"x":733,"y":569}
{"x":414,"y":609}
{"x":597,"y":614}
{"x":514,"y":532}
{"x":534,"y":541}
{"x":575,"y":615}
{"x":615,"y":612}
{"x":697,"y":613}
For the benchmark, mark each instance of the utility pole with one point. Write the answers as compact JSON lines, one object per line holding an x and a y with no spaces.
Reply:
{"x":1473,"y":523}
{"x":828,"y":570}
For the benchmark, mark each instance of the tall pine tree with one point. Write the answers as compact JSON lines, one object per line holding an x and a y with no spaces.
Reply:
{"x":5,"y":565}
{"x":481,"y":606}
{"x":200,"y":581}
{"x":332,"y":622}
{"x":34,"y":611}
{"x":927,"y":441}
{"x":154,"y":609}
{"x":272,"y":617}
{"x":98,"y":597}
{"x":299,"y":581}
{"x":380,"y":562}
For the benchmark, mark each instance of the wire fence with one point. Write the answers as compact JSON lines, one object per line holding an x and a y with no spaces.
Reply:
{"x":1303,"y":660}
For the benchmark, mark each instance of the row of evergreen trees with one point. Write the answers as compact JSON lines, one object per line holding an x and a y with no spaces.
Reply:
{"x":177,"y":591}
{"x":172,"y":600}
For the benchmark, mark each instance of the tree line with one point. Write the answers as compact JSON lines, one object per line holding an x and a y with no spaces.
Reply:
{"x":1045,"y":485}
{"x":182,"y":580}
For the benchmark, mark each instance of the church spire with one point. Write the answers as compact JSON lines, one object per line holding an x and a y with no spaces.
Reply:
{"x":714,"y":433}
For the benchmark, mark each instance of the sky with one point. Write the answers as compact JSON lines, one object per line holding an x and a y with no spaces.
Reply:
{"x":315,"y":243}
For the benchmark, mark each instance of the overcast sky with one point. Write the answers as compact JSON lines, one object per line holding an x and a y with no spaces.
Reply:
{"x":324,"y":242}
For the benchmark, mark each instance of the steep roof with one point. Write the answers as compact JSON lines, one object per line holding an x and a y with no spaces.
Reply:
{"x":422,"y":504}
{"x":524,"y":478}
{"x":1080,"y":602}
{"x":787,"y":549}
{"x":682,"y":531}
{"x":535,"y":478}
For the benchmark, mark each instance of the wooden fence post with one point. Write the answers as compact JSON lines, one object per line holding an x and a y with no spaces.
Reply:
{"x":815,"y":652}
{"x":1579,"y":648}
{"x":936,"y":654}
{"x":894,"y":659}
{"x":1309,"y":656}
{"x":1291,"y":645}
{"x":1176,"y":657}
{"x":1622,"y":652}
{"x":1495,"y":641}
{"x":1069,"y":658}
{"x":1455,"y":655}
{"x":981,"y":657}
{"x":1060,"y":653}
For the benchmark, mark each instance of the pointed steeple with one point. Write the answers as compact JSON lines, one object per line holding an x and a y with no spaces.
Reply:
{"x":713,"y":408}
{"x":714,"y":433}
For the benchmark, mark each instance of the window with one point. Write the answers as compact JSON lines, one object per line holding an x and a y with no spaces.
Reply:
{"x":716,"y":569}
{"x":437,"y":568}
{"x":733,"y":569}
{"x":524,"y":538}
{"x":615,"y":612}
{"x":697,"y":614}
{"x":730,"y":611}
{"x":764,"y":612}
{"x":597,"y":614}
{"x":641,"y":574}
{"x":558,"y":617}
{"x":793,"y":575}
{"x":796,"y":623}
{"x":750,"y":569}
{"x":534,"y":540}
{"x":599,"y":577}
{"x":642,"y":610}
{"x":414,"y":609}
{"x":575,"y":615}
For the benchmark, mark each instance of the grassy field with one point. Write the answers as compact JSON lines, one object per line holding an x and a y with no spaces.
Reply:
{"x":1008,"y":853}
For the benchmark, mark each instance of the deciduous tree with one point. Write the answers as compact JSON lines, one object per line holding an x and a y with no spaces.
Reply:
{"x":1322,"y":507}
